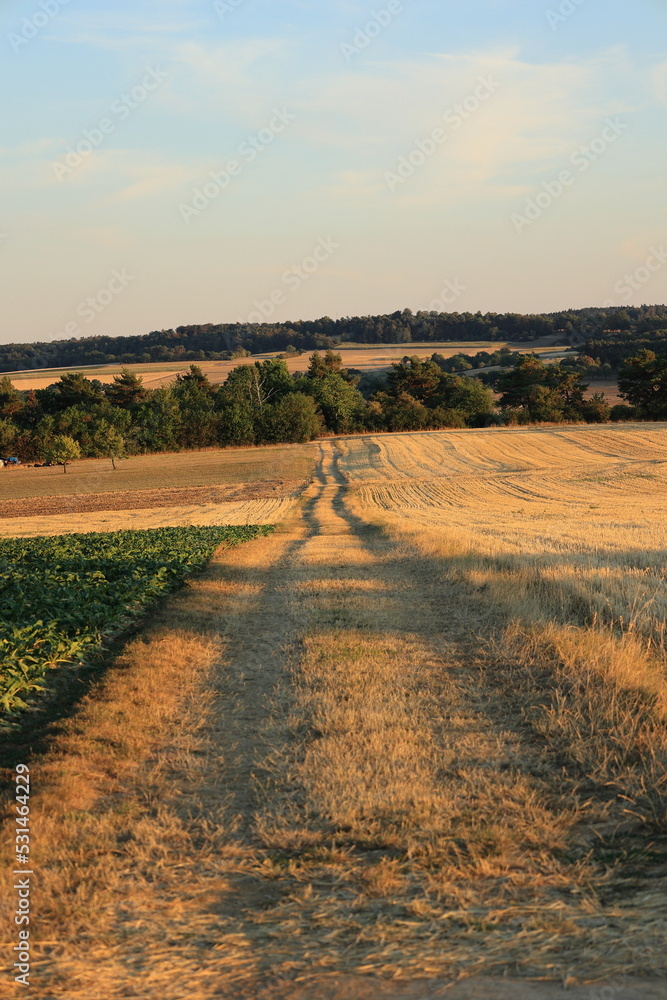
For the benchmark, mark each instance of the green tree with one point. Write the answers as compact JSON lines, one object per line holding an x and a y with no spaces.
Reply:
{"x":467,"y":396}
{"x":596,"y":409}
{"x":517,"y":386}
{"x":237,"y":424}
{"x":62,"y":451}
{"x":342,"y":406}
{"x":126,"y":390}
{"x":330,"y":364}
{"x":420,"y":379}
{"x":11,"y":401}
{"x":72,"y":389}
{"x":199,"y":422}
{"x":539,"y":392}
{"x":294,"y":419}
{"x":108,"y":442}
{"x":404,"y":412}
{"x":7,"y":437}
{"x":642,"y":380}
{"x":156,"y":422}
{"x":257,"y":385}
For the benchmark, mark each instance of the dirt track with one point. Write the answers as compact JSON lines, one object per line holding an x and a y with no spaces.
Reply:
{"x":316,"y":808}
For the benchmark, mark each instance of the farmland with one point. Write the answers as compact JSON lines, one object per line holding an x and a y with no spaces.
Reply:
{"x":206,"y":488}
{"x":60,"y":598}
{"x":418,"y":732}
{"x":362,"y":357}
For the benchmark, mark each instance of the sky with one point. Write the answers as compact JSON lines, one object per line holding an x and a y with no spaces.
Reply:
{"x":170,"y":162}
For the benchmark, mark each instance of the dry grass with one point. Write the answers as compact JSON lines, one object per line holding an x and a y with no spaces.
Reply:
{"x":581,"y":585}
{"x":243,"y":512}
{"x":211,"y":467}
{"x":405,"y":753}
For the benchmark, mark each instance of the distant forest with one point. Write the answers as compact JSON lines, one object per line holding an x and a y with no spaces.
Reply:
{"x":607,"y":334}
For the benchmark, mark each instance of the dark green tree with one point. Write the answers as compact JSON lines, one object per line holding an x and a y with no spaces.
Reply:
{"x":419,"y":379}
{"x":126,"y":390}
{"x":294,"y":418}
{"x":72,"y":389}
{"x":643,"y":382}
{"x":157,"y":422}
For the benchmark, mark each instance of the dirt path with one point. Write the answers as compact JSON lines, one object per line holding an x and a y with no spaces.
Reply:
{"x":332,"y":802}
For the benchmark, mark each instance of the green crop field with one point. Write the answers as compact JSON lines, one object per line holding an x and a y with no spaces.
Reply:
{"x":62,"y":597}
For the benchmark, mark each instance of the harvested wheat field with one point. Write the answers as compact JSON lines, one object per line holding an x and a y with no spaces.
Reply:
{"x":363,"y":357}
{"x":412,"y":745}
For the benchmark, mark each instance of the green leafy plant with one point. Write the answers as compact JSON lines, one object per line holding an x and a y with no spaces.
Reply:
{"x":62,"y":597}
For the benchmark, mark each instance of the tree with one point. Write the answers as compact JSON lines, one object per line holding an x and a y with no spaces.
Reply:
{"x":420,"y":379}
{"x":596,"y":409}
{"x":258,"y":384}
{"x":196,"y":401}
{"x":62,"y":451}
{"x":643,"y":382}
{"x":330,"y":364}
{"x":11,"y":401}
{"x":467,"y":396}
{"x":108,"y":442}
{"x":541,"y":392}
{"x":72,"y":389}
{"x":517,"y":386}
{"x":125,"y":390}
{"x":405,"y":413}
{"x":342,"y":405}
{"x":157,"y":422}
{"x":7,"y":436}
{"x":293,"y":418}
{"x":237,"y":425}
{"x":195,"y":376}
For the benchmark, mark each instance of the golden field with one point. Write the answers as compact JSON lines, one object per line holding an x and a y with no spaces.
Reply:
{"x":416,"y":734}
{"x":363,"y":357}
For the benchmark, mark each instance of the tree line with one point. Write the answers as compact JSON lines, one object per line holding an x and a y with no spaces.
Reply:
{"x":262,"y":403}
{"x":222,"y":342}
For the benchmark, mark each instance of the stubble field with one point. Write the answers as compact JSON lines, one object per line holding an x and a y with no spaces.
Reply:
{"x":417,"y":734}
{"x":363,"y":357}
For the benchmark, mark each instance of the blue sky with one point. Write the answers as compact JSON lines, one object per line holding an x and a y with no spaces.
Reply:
{"x":512,"y":148}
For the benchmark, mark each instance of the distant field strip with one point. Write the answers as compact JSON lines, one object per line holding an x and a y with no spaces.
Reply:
{"x":201,"y":515}
{"x":147,"y":499}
